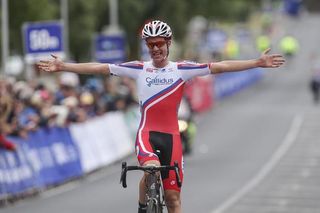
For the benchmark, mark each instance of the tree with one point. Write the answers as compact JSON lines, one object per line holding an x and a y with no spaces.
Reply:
{"x":177,"y":13}
{"x":82,"y":25}
{"x":87,"y":17}
{"x":27,"y":11}
{"x":143,"y":10}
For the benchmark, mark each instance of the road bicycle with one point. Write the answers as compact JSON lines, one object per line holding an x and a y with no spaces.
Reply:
{"x":155,"y":192}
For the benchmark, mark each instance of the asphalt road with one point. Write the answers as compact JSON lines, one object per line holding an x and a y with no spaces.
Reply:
{"x":241,"y":144}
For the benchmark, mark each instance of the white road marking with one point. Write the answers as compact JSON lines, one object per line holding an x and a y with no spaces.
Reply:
{"x":59,"y":190}
{"x":280,"y":152}
{"x":77,"y":183}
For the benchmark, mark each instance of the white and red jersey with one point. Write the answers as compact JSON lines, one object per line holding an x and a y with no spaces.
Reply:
{"x":160,"y":90}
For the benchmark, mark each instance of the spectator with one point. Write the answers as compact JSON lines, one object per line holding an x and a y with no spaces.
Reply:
{"x":88,"y":103}
{"x":6,"y":104}
{"x":95,"y":87}
{"x":27,"y":106}
{"x":315,"y":82}
{"x":68,"y":85}
{"x":111,"y":92}
{"x":42,"y":101}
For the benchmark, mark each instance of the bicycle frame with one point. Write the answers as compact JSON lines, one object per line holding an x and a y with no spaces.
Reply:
{"x":154,"y":194}
{"x":155,"y":200}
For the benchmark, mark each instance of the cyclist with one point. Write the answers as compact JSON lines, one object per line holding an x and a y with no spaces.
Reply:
{"x":289,"y":45}
{"x":315,"y":82}
{"x":160,"y":87}
{"x":263,"y":43}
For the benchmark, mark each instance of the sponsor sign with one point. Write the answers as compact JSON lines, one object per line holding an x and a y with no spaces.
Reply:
{"x":42,"y":39}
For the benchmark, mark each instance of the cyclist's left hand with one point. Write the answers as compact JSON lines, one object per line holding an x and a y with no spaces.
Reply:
{"x":270,"y":61}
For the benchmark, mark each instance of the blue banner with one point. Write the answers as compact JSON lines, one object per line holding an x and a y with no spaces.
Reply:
{"x":54,"y":155}
{"x":43,"y":37}
{"x":51,"y":156}
{"x":226,"y":84}
{"x":47,"y":157}
{"x":16,"y":175}
{"x":3,"y":174}
{"x":292,"y":7}
{"x":66,"y":154}
{"x":109,"y":49}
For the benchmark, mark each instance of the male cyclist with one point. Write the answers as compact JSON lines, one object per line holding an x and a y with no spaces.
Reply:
{"x":160,"y":87}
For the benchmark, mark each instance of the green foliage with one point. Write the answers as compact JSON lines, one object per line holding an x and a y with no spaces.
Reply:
{"x":81,"y":28}
{"x":87,"y":17}
{"x":177,"y":13}
{"x":28,"y":11}
{"x":173,"y":12}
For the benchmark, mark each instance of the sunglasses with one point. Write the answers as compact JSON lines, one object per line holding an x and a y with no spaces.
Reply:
{"x":158,"y":44}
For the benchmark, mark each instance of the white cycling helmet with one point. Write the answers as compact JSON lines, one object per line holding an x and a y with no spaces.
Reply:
{"x":156,"y":29}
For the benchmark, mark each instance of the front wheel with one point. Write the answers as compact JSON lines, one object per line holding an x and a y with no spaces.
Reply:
{"x":153,"y":207}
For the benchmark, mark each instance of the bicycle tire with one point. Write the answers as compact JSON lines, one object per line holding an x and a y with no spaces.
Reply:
{"x":154,"y":203}
{"x":153,"y":207}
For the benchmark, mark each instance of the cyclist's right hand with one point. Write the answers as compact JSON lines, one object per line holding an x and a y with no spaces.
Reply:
{"x":53,"y":65}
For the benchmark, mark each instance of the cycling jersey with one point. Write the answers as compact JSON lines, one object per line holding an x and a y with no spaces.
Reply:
{"x":160,"y":91}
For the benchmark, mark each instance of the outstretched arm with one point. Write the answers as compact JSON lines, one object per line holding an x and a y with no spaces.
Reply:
{"x":56,"y":65}
{"x":265,"y":61}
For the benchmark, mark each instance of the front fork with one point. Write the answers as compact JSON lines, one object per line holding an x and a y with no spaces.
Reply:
{"x":155,"y":189}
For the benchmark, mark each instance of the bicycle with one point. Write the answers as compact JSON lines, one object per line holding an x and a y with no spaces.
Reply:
{"x":155,"y":192}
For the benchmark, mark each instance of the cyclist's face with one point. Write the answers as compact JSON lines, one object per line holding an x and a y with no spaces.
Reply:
{"x":158,"y":48}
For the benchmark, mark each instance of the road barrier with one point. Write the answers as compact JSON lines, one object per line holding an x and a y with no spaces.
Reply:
{"x":226,"y":84}
{"x":51,"y":156}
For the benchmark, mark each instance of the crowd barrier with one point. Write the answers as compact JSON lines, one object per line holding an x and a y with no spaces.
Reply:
{"x":200,"y":93}
{"x":204,"y":91}
{"x":226,"y":84}
{"x":102,"y":140}
{"x":51,"y":156}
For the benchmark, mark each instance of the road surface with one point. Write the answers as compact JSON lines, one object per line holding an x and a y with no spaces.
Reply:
{"x":256,"y":151}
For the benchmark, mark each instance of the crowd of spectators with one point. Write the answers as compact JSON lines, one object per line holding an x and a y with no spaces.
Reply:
{"x":28,"y":105}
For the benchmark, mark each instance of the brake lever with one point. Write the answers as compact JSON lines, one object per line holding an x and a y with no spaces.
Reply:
{"x":176,"y":169}
{"x":123,"y":178}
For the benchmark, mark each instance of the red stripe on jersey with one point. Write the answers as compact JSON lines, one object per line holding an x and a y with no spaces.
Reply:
{"x":134,"y":65}
{"x":186,"y":66}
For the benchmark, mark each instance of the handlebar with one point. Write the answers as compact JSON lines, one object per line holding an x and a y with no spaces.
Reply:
{"x":150,"y":169}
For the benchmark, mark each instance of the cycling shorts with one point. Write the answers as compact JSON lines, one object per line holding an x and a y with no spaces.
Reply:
{"x":170,"y":149}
